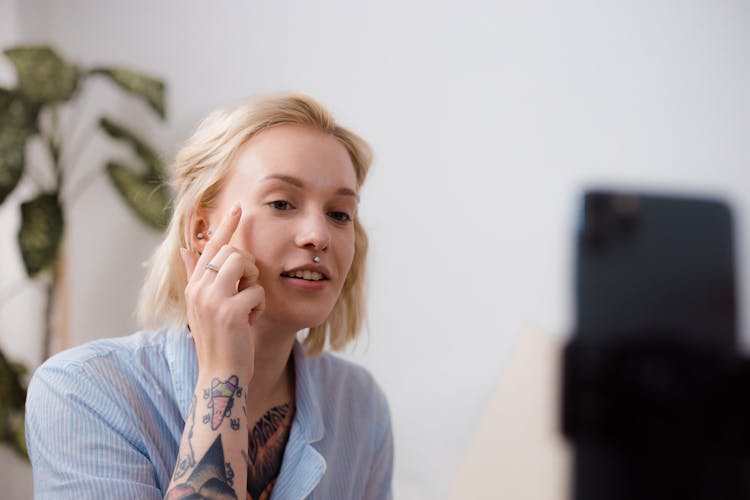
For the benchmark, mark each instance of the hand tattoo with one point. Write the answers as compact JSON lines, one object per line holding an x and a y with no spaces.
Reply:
{"x":221,"y":400}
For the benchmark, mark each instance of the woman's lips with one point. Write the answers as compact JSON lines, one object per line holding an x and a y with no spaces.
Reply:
{"x":304,"y":285}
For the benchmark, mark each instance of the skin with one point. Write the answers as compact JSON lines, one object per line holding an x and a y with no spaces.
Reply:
{"x":290,"y":196}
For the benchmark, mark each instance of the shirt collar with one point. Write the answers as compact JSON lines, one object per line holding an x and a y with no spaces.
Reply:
{"x":308,"y":413}
{"x":303,"y":466}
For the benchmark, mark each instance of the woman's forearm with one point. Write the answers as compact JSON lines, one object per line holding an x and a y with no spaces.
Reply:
{"x":212,"y":459}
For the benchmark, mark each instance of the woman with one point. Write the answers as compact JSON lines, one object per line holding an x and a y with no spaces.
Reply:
{"x":225,"y":402}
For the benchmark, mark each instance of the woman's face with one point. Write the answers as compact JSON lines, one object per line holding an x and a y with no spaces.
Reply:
{"x":298,"y":192}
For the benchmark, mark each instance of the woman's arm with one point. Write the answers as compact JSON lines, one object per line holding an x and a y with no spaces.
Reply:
{"x":223,"y":299}
{"x":83,"y":439}
{"x":212,"y":459}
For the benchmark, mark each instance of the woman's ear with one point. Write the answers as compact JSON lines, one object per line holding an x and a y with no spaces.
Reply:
{"x":199,"y":231}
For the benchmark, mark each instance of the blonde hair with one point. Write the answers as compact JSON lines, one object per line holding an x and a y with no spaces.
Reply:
{"x":198,"y":174}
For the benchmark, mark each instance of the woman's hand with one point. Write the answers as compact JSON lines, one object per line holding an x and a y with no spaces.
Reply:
{"x":223,"y":299}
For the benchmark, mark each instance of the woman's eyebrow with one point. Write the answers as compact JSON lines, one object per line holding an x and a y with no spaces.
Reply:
{"x":286,"y":178}
{"x":294,"y":181}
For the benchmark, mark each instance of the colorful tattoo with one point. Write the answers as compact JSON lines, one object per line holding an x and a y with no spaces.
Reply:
{"x":266,"y":443}
{"x":221,"y":400}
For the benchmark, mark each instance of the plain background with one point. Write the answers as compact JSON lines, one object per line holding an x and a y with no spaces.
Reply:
{"x":487,"y":118}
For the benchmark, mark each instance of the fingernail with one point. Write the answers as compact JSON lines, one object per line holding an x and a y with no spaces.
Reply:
{"x":235,"y":208}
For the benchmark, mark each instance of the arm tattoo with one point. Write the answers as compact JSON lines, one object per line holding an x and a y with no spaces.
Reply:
{"x":266,"y":443}
{"x":211,"y":478}
{"x":220,"y":401}
{"x":188,"y":461}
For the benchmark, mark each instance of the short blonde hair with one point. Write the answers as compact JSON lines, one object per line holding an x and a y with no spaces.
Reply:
{"x":198,"y":174}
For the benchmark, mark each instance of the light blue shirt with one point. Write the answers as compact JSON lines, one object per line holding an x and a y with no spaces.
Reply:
{"x":104,"y":420}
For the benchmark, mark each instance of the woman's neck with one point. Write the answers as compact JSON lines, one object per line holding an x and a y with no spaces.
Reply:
{"x":273,"y":376}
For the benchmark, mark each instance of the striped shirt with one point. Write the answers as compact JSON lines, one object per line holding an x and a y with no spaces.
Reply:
{"x":105,"y":420}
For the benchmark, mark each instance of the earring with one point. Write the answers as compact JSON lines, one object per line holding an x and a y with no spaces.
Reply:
{"x":200,"y":236}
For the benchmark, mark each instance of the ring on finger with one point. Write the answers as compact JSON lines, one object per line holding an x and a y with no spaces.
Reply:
{"x":212,"y":267}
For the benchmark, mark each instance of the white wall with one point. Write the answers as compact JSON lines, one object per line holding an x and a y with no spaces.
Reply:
{"x":487,"y":118}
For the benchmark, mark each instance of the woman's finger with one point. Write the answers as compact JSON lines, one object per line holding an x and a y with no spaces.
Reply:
{"x":221,"y":237}
{"x":252,"y":301}
{"x":211,"y":269}
{"x":236,"y":268}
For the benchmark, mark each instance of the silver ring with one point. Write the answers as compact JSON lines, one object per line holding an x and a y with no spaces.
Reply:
{"x":212,"y":267}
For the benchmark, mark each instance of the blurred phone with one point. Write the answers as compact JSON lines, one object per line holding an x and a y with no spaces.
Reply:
{"x":650,"y":265}
{"x":655,"y":340}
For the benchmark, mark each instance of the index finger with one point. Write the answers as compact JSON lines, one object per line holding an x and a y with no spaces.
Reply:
{"x":221,"y":237}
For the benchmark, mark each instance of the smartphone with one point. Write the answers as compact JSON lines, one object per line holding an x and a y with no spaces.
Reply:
{"x":655,"y":329}
{"x":652,"y":266}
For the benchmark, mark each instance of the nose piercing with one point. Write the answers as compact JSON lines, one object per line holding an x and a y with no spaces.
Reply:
{"x":316,"y":259}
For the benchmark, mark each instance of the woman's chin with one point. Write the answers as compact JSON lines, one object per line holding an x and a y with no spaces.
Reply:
{"x":295,"y":321}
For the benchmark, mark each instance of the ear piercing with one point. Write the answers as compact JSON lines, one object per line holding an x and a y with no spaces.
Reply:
{"x":200,"y":236}
{"x":316,"y":259}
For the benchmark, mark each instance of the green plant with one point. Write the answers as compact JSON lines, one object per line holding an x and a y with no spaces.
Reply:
{"x":13,"y":397}
{"x":48,"y":85}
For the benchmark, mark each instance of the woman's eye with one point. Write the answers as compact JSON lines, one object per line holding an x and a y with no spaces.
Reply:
{"x":340,"y":216}
{"x":281,"y":205}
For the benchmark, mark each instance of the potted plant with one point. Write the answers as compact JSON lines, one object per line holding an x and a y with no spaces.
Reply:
{"x":46,"y":86}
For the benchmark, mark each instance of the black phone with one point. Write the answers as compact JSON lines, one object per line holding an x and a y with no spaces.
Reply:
{"x":648,"y":371}
{"x":655,"y":265}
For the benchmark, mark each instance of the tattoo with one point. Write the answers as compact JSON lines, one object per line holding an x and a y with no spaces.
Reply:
{"x":234,"y":423}
{"x":188,"y":461}
{"x":210,"y":479}
{"x":266,"y":443}
{"x":221,"y":401}
{"x":229,"y":473}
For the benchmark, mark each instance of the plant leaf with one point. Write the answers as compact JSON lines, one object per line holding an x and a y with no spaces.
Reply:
{"x":13,"y":398}
{"x":6,"y":97}
{"x":144,"y":151}
{"x":41,"y":232}
{"x":20,"y":434}
{"x":43,"y":76}
{"x":12,"y":393}
{"x":12,"y":147}
{"x":16,"y":126}
{"x":148,"y":197}
{"x":149,"y":89}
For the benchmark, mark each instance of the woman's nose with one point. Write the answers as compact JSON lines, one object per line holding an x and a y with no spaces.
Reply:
{"x":314,"y":233}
